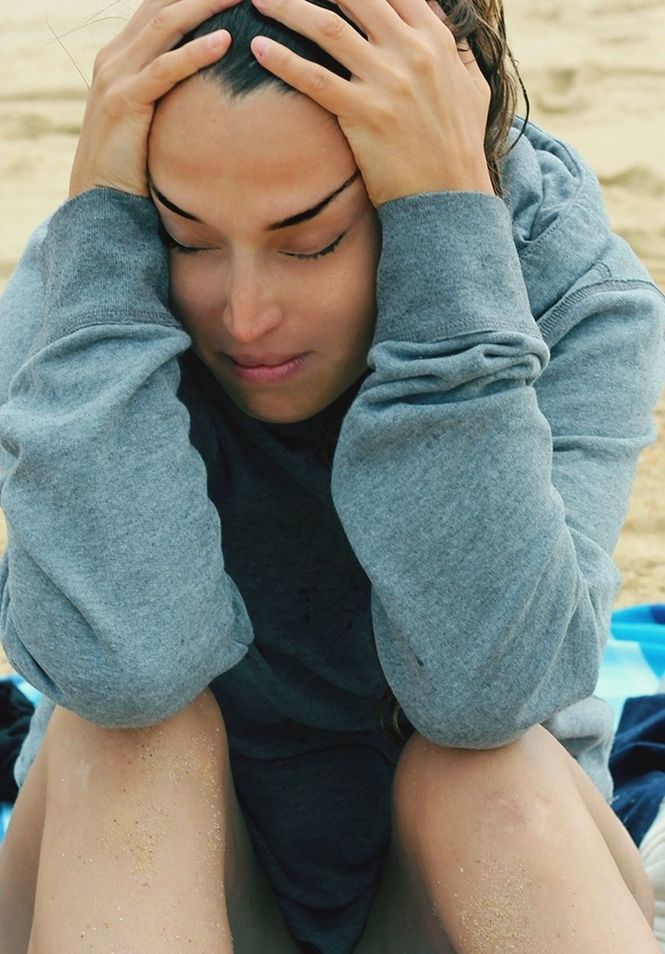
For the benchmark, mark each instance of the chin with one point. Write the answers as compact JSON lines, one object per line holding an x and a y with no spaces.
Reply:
{"x":282,"y":412}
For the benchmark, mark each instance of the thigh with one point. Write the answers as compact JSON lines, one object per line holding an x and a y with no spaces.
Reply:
{"x":255,"y":918}
{"x":622,"y":847}
{"x":257,"y":922}
{"x":19,"y":860}
{"x":400,"y":917}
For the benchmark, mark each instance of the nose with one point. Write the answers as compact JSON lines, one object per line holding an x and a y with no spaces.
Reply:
{"x":251,"y":309}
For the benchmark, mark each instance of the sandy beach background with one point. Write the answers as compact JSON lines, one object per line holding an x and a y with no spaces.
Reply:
{"x":595,"y":75}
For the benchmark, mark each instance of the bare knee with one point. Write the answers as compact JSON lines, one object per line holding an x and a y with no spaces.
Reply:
{"x":460,"y":784}
{"x":203,"y":712}
{"x":77,"y":749}
{"x":531,"y":790}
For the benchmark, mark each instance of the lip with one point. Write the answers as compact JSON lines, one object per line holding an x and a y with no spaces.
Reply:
{"x":267,"y":372}
{"x":267,"y":360}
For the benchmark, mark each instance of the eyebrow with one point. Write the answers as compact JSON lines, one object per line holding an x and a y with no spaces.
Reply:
{"x":283,"y":224}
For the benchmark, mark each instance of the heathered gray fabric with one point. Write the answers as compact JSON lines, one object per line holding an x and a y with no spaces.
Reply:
{"x":481,"y":477}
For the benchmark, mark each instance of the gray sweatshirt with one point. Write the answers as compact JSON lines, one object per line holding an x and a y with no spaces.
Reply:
{"x":457,"y":546}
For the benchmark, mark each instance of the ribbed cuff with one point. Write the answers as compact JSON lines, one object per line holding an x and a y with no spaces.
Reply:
{"x":102,"y":251}
{"x":449,"y":267}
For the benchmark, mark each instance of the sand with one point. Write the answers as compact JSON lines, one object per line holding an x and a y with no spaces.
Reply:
{"x":595,"y":75}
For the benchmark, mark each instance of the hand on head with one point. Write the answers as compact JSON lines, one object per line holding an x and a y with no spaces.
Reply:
{"x":414,"y":109}
{"x":131,"y":73}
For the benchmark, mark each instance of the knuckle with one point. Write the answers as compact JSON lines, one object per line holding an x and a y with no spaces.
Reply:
{"x":382,"y":114}
{"x":105,"y":78}
{"x":101,"y":64}
{"x":422,"y":59}
{"x":99,"y":61}
{"x":448,"y":38}
{"x":402,"y":86}
{"x":332,"y":26}
{"x":318,"y":81}
{"x":160,"y":69}
{"x":116,"y":101}
{"x":159,"y":22}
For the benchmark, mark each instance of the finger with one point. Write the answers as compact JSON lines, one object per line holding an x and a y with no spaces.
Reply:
{"x":325,"y":88}
{"x":167,"y":27}
{"x":323,"y":27}
{"x":468,"y":59}
{"x":147,"y":10}
{"x":376,"y":18}
{"x":466,"y":54}
{"x":416,"y":13}
{"x":162,"y":74}
{"x":141,"y":17}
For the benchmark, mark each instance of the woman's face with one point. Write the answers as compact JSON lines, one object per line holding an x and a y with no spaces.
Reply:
{"x":241,"y":175}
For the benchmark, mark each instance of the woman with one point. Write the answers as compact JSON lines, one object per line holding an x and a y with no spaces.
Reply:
{"x":420,"y":375}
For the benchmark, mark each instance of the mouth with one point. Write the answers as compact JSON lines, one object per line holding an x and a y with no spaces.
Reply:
{"x":269,"y":372}
{"x":264,"y":361}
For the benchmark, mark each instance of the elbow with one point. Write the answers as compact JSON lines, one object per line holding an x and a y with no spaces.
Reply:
{"x":132,"y":697}
{"x":130,"y":669}
{"x":129,"y":699}
{"x":467,"y":721}
{"x":116,"y":693}
{"x":492,"y":699}
{"x":466,"y":729}
{"x":496,"y":715}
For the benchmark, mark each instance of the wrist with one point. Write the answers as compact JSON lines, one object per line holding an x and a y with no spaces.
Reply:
{"x":467,"y":181}
{"x":464,"y":181}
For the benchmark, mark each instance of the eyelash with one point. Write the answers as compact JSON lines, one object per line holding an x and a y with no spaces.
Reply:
{"x":170,"y":242}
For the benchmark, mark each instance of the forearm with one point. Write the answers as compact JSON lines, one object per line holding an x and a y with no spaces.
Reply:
{"x":491,"y":599}
{"x":116,"y":603}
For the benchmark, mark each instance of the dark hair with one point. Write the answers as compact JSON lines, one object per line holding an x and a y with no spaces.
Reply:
{"x":238,"y":70}
{"x":480,"y":23}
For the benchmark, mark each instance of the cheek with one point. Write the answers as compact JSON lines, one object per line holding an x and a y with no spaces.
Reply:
{"x":195,"y":292}
{"x":335,"y":302}
{"x":356,"y":286}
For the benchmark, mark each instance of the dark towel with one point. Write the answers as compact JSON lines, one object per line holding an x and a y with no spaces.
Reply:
{"x":15,"y":714}
{"x":637,"y":763}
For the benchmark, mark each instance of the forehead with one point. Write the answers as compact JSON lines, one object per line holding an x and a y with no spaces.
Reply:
{"x":268,"y":153}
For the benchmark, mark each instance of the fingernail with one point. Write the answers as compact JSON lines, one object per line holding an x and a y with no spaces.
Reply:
{"x":260,"y":46}
{"x":218,"y":39}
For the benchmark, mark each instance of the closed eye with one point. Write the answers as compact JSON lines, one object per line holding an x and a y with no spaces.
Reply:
{"x":170,"y":242}
{"x":324,"y":251}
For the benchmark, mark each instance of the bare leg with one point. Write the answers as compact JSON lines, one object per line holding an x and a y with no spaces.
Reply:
{"x":517,"y":861}
{"x":133,"y":843}
{"x":142,"y":837}
{"x":19,"y":860}
{"x":506,"y":850}
{"x":652,"y":853}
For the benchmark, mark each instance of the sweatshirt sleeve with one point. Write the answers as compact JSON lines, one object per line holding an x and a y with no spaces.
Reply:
{"x":485,"y":521}
{"x":115,"y":600}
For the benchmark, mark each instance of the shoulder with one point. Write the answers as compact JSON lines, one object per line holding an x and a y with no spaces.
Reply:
{"x":561,"y":229}
{"x":20,"y":309}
